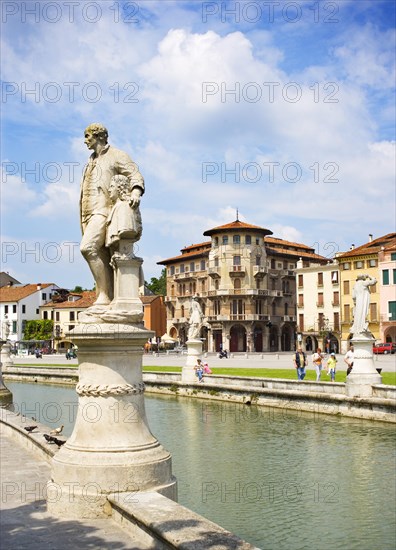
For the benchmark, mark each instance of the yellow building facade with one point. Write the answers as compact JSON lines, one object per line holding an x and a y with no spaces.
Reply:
{"x":358,"y":261}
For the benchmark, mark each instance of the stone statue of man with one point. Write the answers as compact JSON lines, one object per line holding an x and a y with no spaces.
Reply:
{"x":361,"y":300}
{"x":96,"y":205}
{"x":196,"y":319}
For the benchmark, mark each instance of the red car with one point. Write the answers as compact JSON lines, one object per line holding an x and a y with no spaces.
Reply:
{"x":388,"y":347}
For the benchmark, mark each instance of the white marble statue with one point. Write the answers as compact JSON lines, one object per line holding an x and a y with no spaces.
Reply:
{"x":361,"y":301}
{"x":96,"y":206}
{"x":196,"y":319}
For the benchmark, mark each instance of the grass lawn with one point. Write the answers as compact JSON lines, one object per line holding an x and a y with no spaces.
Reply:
{"x":47,"y":365}
{"x":388,"y":378}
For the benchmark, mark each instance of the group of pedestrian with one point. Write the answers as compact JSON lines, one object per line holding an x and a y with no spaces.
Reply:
{"x":201,"y":369}
{"x":318,"y":358}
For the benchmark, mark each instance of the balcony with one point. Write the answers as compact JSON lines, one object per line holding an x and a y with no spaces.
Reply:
{"x":244,"y":292}
{"x":170,"y":299}
{"x":288,"y":318}
{"x":319,"y":304}
{"x":237,"y":270}
{"x":287,"y":273}
{"x":186,"y":275}
{"x":259,"y":271}
{"x":214,"y":272}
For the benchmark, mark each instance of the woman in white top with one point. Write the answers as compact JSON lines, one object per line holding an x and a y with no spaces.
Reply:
{"x":317,"y":359}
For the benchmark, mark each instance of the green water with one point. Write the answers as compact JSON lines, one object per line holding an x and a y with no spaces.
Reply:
{"x":279,"y":479}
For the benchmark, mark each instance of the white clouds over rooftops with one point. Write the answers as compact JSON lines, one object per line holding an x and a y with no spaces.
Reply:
{"x":182,"y":96}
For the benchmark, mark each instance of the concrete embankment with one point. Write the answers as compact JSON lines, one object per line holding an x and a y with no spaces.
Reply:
{"x":138,"y":520}
{"x":315,"y":397}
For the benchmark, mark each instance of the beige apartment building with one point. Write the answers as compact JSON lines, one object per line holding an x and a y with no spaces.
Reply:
{"x":245,"y":282}
{"x":318,"y":306}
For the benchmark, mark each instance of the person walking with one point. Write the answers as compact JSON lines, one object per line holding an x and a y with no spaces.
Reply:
{"x":317,"y":359}
{"x":300,"y":362}
{"x":349,"y":358}
{"x":331,"y":366}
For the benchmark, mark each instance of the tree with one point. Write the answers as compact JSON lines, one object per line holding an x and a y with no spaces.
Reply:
{"x":41,"y":329}
{"x":77,"y":289}
{"x":158,"y":286}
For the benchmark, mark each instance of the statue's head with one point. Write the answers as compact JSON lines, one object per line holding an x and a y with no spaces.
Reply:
{"x":98,"y":131}
{"x":121,"y":187}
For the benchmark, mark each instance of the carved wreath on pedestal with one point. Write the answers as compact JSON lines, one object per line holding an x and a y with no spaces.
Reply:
{"x":97,"y":390}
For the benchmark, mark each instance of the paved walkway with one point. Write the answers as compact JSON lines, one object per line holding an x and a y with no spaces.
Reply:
{"x":24,"y":521}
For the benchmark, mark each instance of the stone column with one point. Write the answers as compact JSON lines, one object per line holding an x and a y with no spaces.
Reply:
{"x":111,"y":449}
{"x":194,"y":352}
{"x":5,"y":358}
{"x":364,"y":374}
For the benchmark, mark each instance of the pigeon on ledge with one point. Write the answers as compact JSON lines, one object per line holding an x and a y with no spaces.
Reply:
{"x":30,"y":428}
{"x":57,"y":431}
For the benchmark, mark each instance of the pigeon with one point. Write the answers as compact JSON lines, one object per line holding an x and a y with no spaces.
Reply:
{"x":58,"y":442}
{"x":48,"y":438}
{"x":57,"y":431}
{"x":30,"y":428}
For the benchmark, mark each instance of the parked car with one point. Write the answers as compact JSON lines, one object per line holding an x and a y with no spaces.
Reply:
{"x":388,"y":347}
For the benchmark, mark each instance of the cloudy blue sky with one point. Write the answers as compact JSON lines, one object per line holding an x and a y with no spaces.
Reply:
{"x":284,"y":110}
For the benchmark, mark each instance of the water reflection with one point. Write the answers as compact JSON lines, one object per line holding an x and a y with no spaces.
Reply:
{"x":278,"y":478}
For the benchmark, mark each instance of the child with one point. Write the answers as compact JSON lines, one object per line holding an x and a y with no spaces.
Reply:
{"x":206,"y":368}
{"x":123,"y":222}
{"x":331,"y":366}
{"x":199,"y":370}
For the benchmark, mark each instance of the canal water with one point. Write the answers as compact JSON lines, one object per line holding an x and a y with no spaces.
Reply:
{"x":278,"y":478}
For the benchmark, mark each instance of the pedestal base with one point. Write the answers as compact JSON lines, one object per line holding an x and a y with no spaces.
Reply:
{"x":111,"y":449}
{"x":364,"y":374}
{"x":5,"y":397}
{"x":6,"y":361}
{"x":194,"y":352}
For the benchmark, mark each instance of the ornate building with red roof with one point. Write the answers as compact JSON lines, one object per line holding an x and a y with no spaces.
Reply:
{"x":244,"y":279}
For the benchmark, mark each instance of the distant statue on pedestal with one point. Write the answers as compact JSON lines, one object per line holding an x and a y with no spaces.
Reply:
{"x":196,"y":320}
{"x":361,"y":301}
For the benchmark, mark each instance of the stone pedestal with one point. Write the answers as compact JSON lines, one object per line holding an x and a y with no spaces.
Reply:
{"x":5,"y":358}
{"x":194,"y":352}
{"x":111,"y":449}
{"x":126,"y":280}
{"x":364,"y":375}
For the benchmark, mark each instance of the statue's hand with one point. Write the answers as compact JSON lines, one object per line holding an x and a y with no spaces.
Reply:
{"x":134,"y":201}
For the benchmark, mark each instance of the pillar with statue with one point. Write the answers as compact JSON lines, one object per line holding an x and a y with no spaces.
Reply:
{"x":111,"y":449}
{"x":360,"y":381}
{"x":194,"y":341}
{"x":5,"y":361}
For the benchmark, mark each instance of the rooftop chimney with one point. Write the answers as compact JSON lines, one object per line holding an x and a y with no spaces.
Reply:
{"x":38,"y":286}
{"x":370,"y":237}
{"x":352,"y":247}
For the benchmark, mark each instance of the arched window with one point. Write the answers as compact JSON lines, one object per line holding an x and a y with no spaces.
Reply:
{"x":237,"y":283}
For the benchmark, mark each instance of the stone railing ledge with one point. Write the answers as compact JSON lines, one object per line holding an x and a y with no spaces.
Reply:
{"x":153,"y":518}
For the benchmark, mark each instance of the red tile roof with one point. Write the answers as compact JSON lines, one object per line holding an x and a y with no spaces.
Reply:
{"x":237,"y":225}
{"x":373,"y":247}
{"x":16,"y":293}
{"x":282,"y":242}
{"x":87,"y":299}
{"x":187,"y":255}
